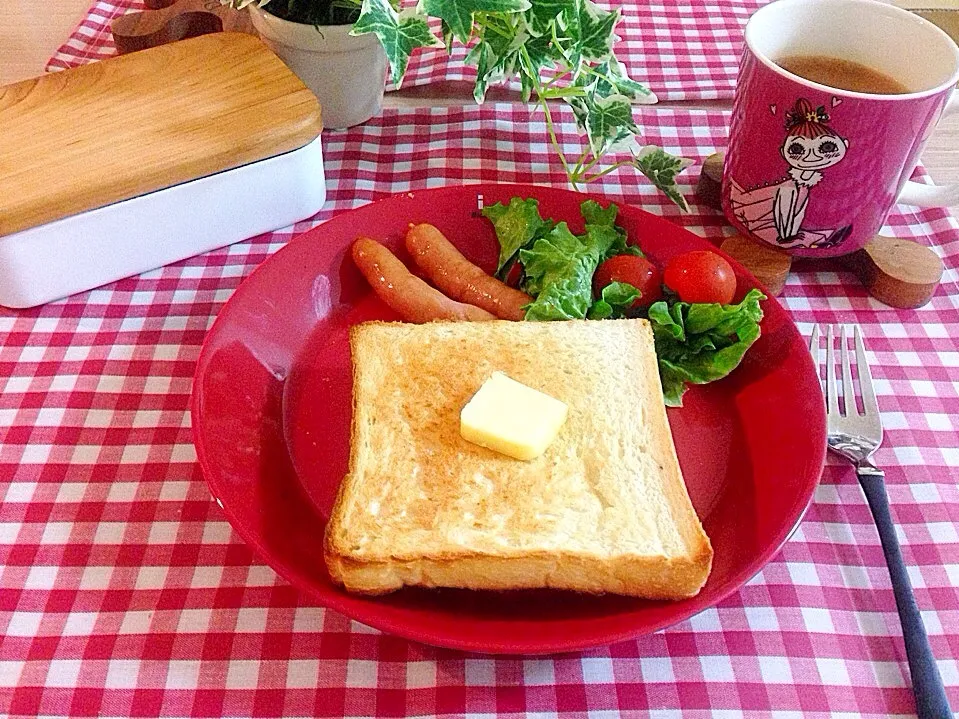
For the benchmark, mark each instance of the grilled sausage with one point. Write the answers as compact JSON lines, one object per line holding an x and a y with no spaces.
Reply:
{"x":405,"y":293}
{"x":461,"y":279}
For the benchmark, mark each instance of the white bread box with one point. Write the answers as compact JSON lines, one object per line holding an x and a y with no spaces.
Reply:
{"x":121,"y":166}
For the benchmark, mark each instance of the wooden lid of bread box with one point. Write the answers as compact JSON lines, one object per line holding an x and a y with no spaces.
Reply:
{"x":97,"y":134}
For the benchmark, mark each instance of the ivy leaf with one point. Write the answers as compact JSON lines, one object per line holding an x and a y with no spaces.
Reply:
{"x":539,"y":54}
{"x":566,"y":40}
{"x":591,"y":28}
{"x":539,"y":49}
{"x":544,"y":12}
{"x":526,"y":86}
{"x":615,"y":81}
{"x":625,"y":142}
{"x":458,"y":14}
{"x":447,"y":36}
{"x":497,"y":54}
{"x":580,"y":110}
{"x":606,"y":118}
{"x":661,"y":168}
{"x":399,"y":33}
{"x":484,"y":59}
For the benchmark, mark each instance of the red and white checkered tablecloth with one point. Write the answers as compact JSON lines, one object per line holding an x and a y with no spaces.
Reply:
{"x":683,"y":49}
{"x":124,"y":592}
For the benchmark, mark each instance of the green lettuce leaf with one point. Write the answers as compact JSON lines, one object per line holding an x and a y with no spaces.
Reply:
{"x":553,"y":258}
{"x":559,"y":271}
{"x":561,"y":300}
{"x":610,"y":237}
{"x":597,"y":216}
{"x":615,"y":299}
{"x":517,"y":225}
{"x":701,"y":343}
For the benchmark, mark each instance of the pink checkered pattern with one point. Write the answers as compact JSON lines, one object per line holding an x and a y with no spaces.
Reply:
{"x":124,"y":592}
{"x":683,"y":49}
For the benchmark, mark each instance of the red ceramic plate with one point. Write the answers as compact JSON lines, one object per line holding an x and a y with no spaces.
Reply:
{"x":271,"y":419}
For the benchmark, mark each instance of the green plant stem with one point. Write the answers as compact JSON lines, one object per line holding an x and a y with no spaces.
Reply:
{"x":487,"y":25}
{"x":595,"y":73}
{"x":580,"y":161}
{"x":611,"y":168}
{"x":551,"y":130}
{"x":562,"y":93}
{"x":589,"y":166}
{"x":556,"y":79}
{"x":555,"y":140}
{"x":556,"y":41}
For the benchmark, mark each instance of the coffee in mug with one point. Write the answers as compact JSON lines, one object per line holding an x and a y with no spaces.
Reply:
{"x":842,"y":74}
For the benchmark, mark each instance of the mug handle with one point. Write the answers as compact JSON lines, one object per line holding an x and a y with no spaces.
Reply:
{"x":915,"y":193}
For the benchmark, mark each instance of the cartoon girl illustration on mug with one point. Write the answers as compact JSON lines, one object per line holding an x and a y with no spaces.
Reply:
{"x":775,"y":211}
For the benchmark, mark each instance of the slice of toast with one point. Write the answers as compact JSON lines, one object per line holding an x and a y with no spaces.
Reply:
{"x":604,"y":509}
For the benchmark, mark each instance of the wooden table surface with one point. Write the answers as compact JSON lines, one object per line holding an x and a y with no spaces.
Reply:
{"x":30,"y":31}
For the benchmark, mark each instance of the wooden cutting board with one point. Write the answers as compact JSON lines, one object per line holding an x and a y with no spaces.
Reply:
{"x":112,"y":130}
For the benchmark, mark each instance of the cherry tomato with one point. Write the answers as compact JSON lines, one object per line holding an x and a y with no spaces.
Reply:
{"x":515,"y":272}
{"x":634,"y":270}
{"x":701,"y":276}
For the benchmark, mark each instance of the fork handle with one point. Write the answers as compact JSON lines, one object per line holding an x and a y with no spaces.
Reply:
{"x":931,"y":700}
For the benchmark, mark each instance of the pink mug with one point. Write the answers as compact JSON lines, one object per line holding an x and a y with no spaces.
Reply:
{"x":814,"y":170}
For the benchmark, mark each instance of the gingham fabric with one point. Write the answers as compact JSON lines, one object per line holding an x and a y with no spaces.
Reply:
{"x":124,"y":592}
{"x":683,"y":49}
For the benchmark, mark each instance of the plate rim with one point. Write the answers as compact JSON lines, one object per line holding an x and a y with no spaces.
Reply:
{"x":356,"y":607}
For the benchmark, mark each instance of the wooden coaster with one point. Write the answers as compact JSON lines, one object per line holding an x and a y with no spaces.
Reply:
{"x":709,"y":188}
{"x":769,"y":265}
{"x":898,"y":272}
{"x":169,"y":21}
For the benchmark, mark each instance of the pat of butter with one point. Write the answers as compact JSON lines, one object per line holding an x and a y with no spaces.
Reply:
{"x":511,"y":418}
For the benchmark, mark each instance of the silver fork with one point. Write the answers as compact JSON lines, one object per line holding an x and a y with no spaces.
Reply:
{"x":856,"y":437}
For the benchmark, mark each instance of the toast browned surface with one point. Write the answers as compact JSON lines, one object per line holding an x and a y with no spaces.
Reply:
{"x":604,"y":509}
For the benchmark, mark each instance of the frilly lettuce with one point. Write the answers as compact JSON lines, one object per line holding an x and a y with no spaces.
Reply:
{"x":702,"y":343}
{"x":695,"y":343}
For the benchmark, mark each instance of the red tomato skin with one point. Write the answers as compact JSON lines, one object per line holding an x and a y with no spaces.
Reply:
{"x":701,"y":276}
{"x":634,"y":270}
{"x":514,"y":274}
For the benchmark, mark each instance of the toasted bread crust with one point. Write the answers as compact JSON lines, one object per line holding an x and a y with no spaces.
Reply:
{"x":701,"y":551}
{"x":374,"y":551}
{"x":334,"y":527}
{"x":646,"y":577}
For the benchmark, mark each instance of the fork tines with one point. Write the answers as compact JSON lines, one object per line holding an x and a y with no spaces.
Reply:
{"x":869,"y":403}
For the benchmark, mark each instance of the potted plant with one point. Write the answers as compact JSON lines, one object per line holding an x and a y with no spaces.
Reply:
{"x":561,"y":51}
{"x":314,"y":38}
